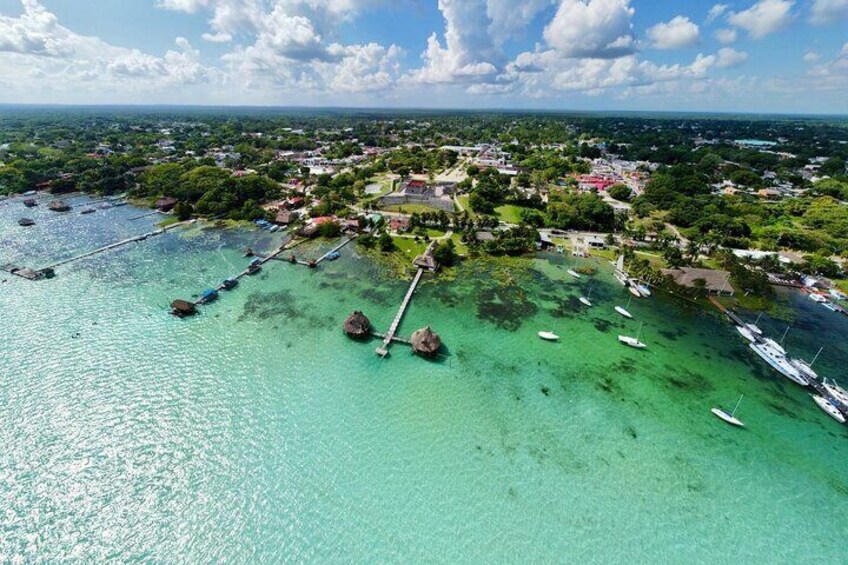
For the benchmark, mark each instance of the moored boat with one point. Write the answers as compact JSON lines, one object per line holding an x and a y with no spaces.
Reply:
{"x":623,"y":312}
{"x":730,"y":417}
{"x":548,"y":336}
{"x":574,"y":273}
{"x":837,"y":392}
{"x":776,"y":358}
{"x":26,"y":222}
{"x":746,"y":332}
{"x":633,"y":341}
{"x":229,"y":284}
{"x":585,"y":301}
{"x":829,"y":407}
{"x":207,"y":296}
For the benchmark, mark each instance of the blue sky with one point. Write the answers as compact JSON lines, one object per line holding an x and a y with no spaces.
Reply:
{"x":749,"y":55}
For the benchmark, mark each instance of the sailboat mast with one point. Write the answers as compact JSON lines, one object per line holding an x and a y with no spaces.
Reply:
{"x":784,"y":335}
{"x":817,"y":356}
{"x":737,"y":405}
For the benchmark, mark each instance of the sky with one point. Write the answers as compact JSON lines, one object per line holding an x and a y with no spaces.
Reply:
{"x":768,"y":56}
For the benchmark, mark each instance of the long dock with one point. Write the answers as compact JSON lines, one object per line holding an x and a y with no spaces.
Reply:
{"x":115,"y":245}
{"x":389,"y":336}
{"x":314,"y":263}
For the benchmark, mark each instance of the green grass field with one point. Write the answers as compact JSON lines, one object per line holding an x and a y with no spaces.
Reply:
{"x":409,"y":208}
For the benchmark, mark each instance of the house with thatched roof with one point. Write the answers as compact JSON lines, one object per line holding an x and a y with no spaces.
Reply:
{"x":426,"y":259}
{"x":166,"y":203}
{"x":426,"y":342}
{"x":183,"y":308}
{"x":710,"y":280}
{"x":357,"y":325}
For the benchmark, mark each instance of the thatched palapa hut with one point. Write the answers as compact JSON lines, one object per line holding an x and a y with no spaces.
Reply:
{"x":357,"y":325}
{"x":426,"y":342}
{"x":183,"y":308}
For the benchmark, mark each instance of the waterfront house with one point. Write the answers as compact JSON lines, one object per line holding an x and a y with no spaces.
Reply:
{"x":166,"y":203}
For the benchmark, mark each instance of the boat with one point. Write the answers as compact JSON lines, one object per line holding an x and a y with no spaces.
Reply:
{"x":207,"y":296}
{"x":837,"y":294}
{"x":333,"y":256}
{"x":574,"y":273}
{"x":254,"y":267}
{"x":746,"y":332}
{"x":633,"y":341}
{"x":26,"y":222}
{"x":643,"y":288}
{"x":730,"y":418}
{"x":87,"y":211}
{"x":549,"y":336}
{"x":837,"y":392}
{"x":585,"y":301}
{"x":778,"y":361}
{"x":829,"y":306}
{"x":754,"y":327}
{"x":805,"y":368}
{"x":829,"y":407}
{"x":623,"y":311}
{"x":815,"y":297}
{"x":634,"y":291}
{"x":229,"y":284}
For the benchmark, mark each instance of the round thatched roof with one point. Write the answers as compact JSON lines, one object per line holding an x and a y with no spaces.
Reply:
{"x":426,"y":342}
{"x":183,"y":307}
{"x":357,"y":325}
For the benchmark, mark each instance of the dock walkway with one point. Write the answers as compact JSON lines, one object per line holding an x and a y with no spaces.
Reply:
{"x":115,"y":245}
{"x":389,"y":336}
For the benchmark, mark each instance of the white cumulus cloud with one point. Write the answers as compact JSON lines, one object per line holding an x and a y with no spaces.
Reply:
{"x":828,"y":11}
{"x":592,"y":28}
{"x":716,"y":12}
{"x":674,"y":34}
{"x":726,"y":35}
{"x":728,"y":57}
{"x":763,"y":18}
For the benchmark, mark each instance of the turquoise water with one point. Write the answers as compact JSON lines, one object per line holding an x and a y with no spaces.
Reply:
{"x":257,"y":432}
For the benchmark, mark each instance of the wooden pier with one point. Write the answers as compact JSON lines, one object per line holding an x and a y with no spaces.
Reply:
{"x":115,"y":245}
{"x":316,"y":262}
{"x":389,"y":336}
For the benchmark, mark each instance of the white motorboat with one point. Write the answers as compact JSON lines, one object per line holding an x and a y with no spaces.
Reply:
{"x":549,"y":336}
{"x":573,"y":273}
{"x":643,"y":289}
{"x":585,"y":301}
{"x":817,"y":297}
{"x":778,"y":361}
{"x":829,"y":407}
{"x":730,"y":418}
{"x":634,"y":291}
{"x":747,"y":333}
{"x":633,"y":341}
{"x":836,"y":391}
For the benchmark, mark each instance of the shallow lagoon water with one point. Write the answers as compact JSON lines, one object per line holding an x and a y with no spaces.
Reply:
{"x":257,"y":432}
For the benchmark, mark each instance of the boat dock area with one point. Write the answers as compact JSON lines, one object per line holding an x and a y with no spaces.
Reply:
{"x":389,"y":336}
{"x":814,"y":384}
{"x":47,"y":272}
{"x":136,"y":238}
{"x":315,"y":262}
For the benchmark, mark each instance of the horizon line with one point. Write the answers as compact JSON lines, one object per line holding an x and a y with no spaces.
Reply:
{"x":387,"y":109}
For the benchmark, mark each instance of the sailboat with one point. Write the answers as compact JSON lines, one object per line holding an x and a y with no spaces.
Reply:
{"x":548,"y":336}
{"x":730,"y":418}
{"x":620,"y":273}
{"x":623,"y":311}
{"x":573,"y":273}
{"x":807,"y":368}
{"x":633,"y":341}
{"x":585,"y":299}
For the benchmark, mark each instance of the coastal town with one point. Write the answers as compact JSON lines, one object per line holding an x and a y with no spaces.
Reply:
{"x":721,"y":222}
